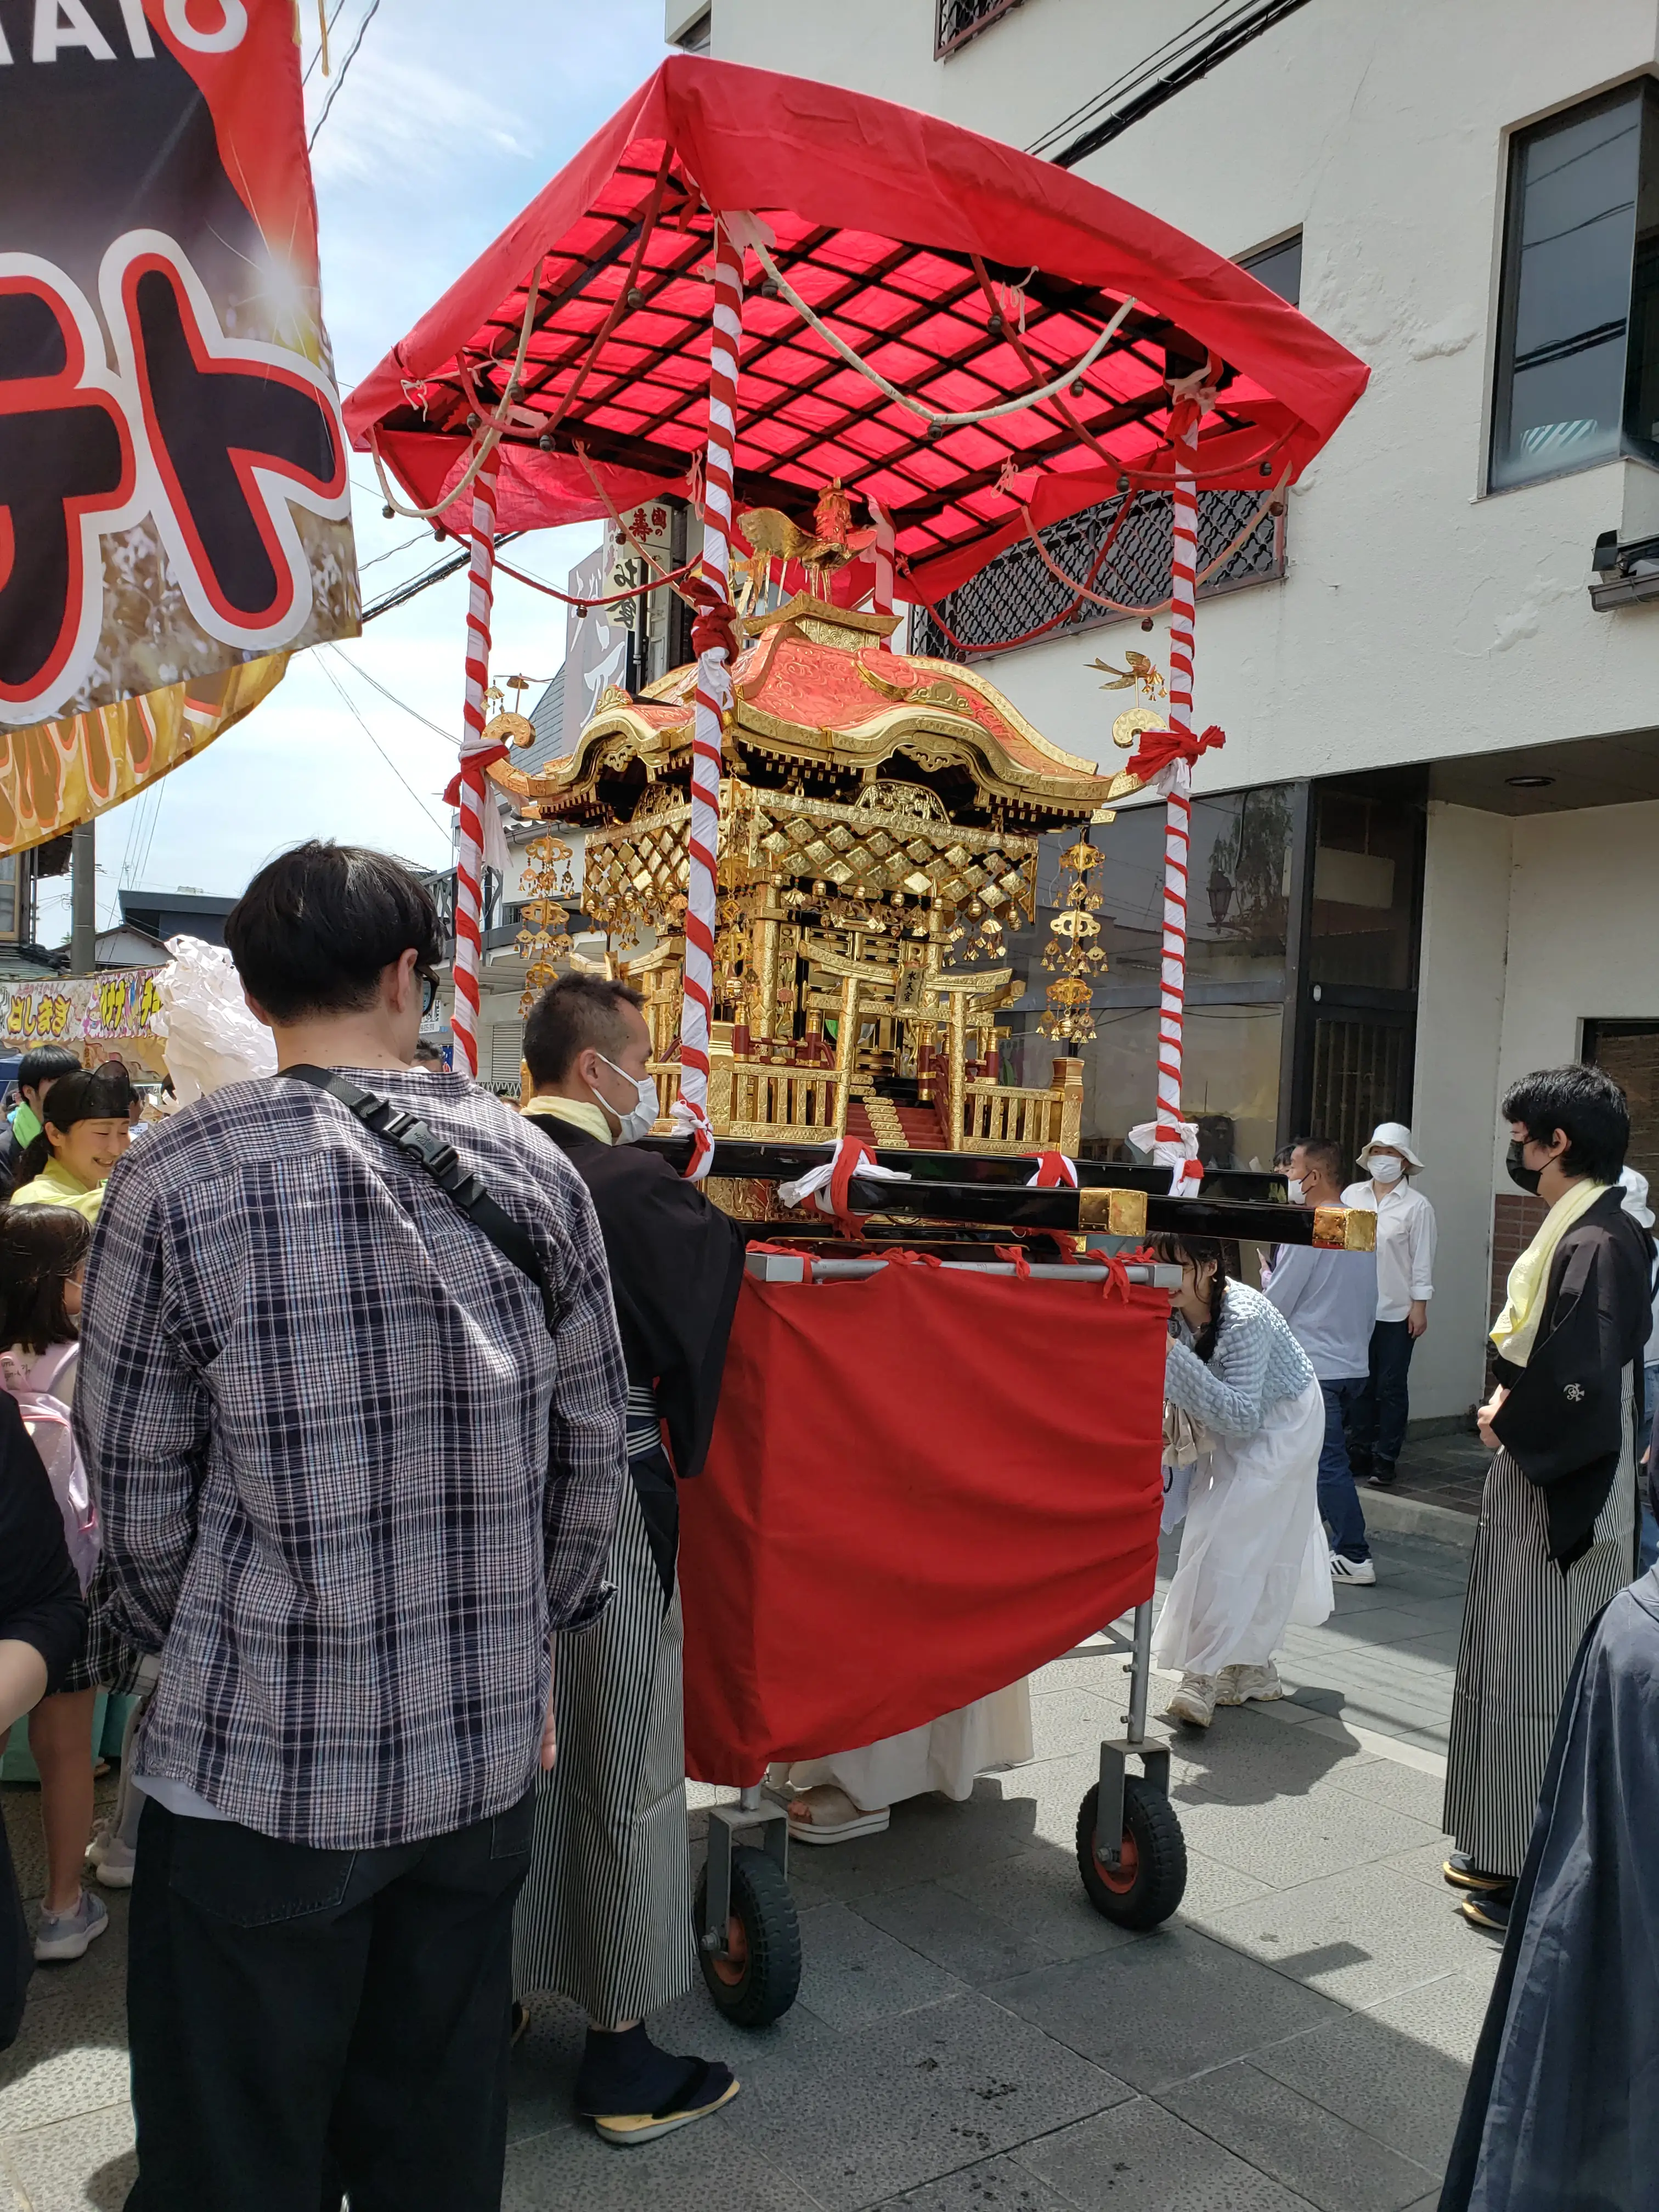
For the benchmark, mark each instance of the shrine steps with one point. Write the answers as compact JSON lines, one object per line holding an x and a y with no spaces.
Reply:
{"x":921,"y":1125}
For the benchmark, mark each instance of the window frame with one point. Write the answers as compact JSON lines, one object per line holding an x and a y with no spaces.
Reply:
{"x":944,"y":47}
{"x":1645,"y":88}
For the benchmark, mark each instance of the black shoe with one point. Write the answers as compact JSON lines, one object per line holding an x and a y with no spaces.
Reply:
{"x":1382,"y":1474}
{"x":1490,"y":1910}
{"x":634,"y":2093}
{"x":1359,"y":1462}
{"x":1461,"y":1872}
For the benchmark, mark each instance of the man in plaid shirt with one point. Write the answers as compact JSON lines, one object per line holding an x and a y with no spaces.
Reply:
{"x":351,"y":1472}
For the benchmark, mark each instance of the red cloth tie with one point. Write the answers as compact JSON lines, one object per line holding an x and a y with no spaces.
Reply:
{"x":1157,"y":748}
{"x":486,"y":759}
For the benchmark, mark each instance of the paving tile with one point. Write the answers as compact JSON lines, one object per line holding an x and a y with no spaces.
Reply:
{"x":709,"y":2164}
{"x":911,"y":2099}
{"x":966,"y":1935}
{"x":1068,"y":1722}
{"x":1361,"y":1935}
{"x":1250,"y":1760}
{"x":928,"y":1836}
{"x":1295,"y":1839}
{"x":853,"y":1972}
{"x":1042,"y":1890}
{"x":1397,"y":2070}
{"x":1424,"y":1863}
{"x":83,"y":2164}
{"x":1402,"y":1788}
{"x":995,"y":2185}
{"x":1167,"y":2005}
{"x":1301,"y":2143}
{"x":1142,"y":2157}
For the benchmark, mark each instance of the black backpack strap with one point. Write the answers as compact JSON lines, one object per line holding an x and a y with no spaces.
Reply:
{"x":443,"y":1163}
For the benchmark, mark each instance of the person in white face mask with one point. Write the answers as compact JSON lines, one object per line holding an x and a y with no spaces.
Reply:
{"x":604,"y":1916}
{"x":1405,"y":1283}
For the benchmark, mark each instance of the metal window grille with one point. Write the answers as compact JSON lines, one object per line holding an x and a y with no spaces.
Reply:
{"x":958,"y":21}
{"x":1362,"y":1075}
{"x":1014,"y":592}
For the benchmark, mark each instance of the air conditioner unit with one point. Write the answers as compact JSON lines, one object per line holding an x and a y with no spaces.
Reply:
{"x":1622,"y":575}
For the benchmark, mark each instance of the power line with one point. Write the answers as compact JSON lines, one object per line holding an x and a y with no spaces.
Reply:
{"x":1169,"y":69}
{"x":443,"y":828}
{"x":452,"y":566}
{"x":333,"y":90}
{"x":436,"y":728}
{"x":403,"y":546}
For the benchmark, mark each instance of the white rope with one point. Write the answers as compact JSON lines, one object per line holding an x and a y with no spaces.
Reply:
{"x":492,"y":426}
{"x":917,"y":407}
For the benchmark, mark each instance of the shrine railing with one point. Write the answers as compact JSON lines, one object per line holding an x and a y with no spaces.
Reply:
{"x":1014,"y":592}
{"x":765,"y":1100}
{"x":997,"y":1117}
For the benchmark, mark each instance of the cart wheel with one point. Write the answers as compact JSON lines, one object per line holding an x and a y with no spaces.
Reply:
{"x":754,"y":1979}
{"x":1148,"y":1883}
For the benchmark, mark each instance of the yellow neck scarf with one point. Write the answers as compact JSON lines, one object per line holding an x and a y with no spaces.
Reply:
{"x":1516,"y":1329}
{"x":582,"y":1113}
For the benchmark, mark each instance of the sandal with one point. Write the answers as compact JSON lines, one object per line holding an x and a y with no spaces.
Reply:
{"x":710,"y":2086}
{"x":826,"y":1814}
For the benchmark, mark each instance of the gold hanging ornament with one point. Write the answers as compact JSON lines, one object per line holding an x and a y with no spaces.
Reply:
{"x":543,"y":940}
{"x":1072,"y":951}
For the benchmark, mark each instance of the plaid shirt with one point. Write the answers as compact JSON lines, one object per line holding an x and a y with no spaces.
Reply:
{"x":347,"y":1479}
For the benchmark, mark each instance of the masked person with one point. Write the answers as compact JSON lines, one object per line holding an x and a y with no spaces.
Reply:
{"x":1405,"y":1283}
{"x":1557,"y":1538}
{"x":606,"y":1916}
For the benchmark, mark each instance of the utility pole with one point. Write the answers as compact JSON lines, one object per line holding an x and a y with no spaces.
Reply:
{"x":83,"y":899}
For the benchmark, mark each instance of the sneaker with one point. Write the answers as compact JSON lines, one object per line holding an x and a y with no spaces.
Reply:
{"x":1461,"y":1872}
{"x":1490,"y":1910}
{"x":1345,"y":1569}
{"x":109,"y":1861}
{"x":1238,"y":1685}
{"x":66,"y":1935}
{"x":1194,"y":1701}
{"x":1382,"y":1475}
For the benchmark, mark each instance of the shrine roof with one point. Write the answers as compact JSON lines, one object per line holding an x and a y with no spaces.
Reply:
{"x":814,"y":685}
{"x":963,"y":270}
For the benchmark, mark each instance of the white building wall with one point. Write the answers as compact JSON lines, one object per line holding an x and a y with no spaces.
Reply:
{"x":1419,"y":618}
{"x":1460,"y":995}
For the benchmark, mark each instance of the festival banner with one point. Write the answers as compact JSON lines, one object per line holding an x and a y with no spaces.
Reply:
{"x":174,"y":502}
{"x":83,"y":1009}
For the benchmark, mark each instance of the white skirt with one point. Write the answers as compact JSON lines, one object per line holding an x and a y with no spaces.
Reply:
{"x":944,"y":1755}
{"x":1254,"y":1556}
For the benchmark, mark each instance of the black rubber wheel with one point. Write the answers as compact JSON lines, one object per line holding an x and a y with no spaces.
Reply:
{"x":755,"y":1980}
{"x":1146,"y":1887}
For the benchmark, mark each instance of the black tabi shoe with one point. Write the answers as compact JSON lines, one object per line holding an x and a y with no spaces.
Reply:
{"x":633,"y":2094}
{"x":1489,"y":1909}
{"x":1461,"y":1872}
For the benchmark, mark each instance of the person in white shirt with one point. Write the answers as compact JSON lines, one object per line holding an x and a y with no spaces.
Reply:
{"x":1405,"y":1283}
{"x":1329,"y":1299}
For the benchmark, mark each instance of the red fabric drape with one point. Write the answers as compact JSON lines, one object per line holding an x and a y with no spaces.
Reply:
{"x":921,"y":1486}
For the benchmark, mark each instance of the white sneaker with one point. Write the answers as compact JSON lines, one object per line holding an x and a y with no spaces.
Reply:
{"x":66,"y":1936}
{"x":110,"y":1862}
{"x":1238,"y":1685}
{"x":1345,"y":1569}
{"x":1194,"y":1701}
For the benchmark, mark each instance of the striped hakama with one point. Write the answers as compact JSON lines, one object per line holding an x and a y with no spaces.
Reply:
{"x":1522,"y":1623}
{"x":604,"y":1916}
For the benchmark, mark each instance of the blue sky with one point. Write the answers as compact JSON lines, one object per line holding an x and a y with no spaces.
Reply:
{"x":447,"y":122}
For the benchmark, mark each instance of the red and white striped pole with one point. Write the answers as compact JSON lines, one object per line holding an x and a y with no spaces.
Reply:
{"x":472,"y":784}
{"x":1172,"y":1004}
{"x":881,"y":600}
{"x":713,"y":696}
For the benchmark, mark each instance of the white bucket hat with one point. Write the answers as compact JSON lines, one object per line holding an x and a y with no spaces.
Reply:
{"x":1636,"y":1195}
{"x":1397,"y":1137}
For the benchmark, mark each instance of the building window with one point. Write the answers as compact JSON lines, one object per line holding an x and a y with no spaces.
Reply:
{"x":1578,"y":316}
{"x":1015,"y":592}
{"x":958,"y":21}
{"x":1279,"y":267}
{"x":689,"y":26}
{"x":1629,"y":1053}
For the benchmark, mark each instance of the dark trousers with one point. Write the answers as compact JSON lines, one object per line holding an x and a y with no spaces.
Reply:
{"x":1377,"y":1426}
{"x":1339,"y":1501}
{"x":308,"y":2023}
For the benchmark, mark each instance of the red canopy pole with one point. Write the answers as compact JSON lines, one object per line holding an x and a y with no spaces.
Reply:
{"x":715,"y":636}
{"x":1169,"y":1140}
{"x":471,"y":793}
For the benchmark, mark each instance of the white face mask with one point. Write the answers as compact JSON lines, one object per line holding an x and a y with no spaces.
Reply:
{"x":1386,"y":1168}
{"x":636,"y":1123}
{"x":1293,"y":1186}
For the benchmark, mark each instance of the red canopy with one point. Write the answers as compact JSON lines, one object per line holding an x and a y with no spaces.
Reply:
{"x":926,"y":246}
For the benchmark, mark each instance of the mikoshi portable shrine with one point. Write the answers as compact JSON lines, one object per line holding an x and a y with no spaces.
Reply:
{"x":871,"y":350}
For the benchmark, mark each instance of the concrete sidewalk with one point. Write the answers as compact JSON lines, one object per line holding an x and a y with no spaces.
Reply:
{"x":970,"y":2036}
